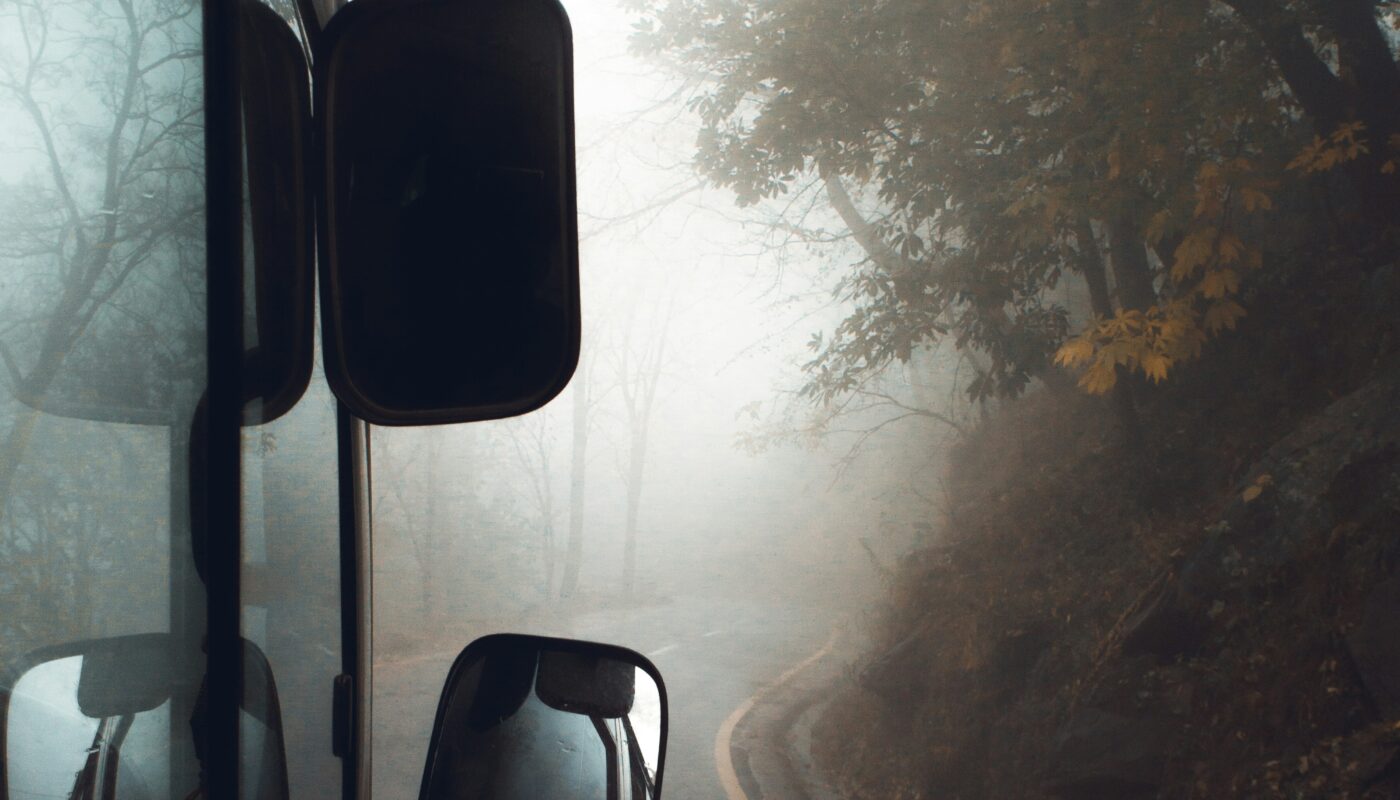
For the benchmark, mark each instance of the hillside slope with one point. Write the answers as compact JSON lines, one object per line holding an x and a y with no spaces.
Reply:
{"x":1214,"y":613}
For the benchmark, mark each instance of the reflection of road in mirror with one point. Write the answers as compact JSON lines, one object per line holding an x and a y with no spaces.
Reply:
{"x":526,"y":718}
{"x":47,"y":737}
{"x":535,"y":752}
{"x":645,"y":718}
{"x":50,"y":741}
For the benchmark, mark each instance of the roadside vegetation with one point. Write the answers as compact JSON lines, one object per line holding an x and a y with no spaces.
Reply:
{"x":1161,"y":236}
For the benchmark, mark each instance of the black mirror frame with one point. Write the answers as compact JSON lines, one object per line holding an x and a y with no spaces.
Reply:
{"x":469,"y":656}
{"x":347,"y":19}
{"x":292,"y":277}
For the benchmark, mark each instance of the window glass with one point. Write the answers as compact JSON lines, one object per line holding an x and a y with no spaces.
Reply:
{"x":977,"y":399}
{"x":291,"y":577}
{"x":102,"y":251}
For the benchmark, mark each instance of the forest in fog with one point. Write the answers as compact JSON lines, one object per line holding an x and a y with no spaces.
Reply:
{"x":1055,"y":339}
{"x":1040,"y":358}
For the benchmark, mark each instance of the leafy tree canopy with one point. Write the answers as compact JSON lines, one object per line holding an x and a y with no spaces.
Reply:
{"x":980,"y":151}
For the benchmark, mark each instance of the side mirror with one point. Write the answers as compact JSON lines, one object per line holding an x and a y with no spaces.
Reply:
{"x":108,"y":367}
{"x":449,"y":231}
{"x":277,"y":137}
{"x":114,"y":718}
{"x":525,"y":717}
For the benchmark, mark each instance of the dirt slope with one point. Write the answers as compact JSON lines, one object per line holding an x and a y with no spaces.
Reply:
{"x":1215,"y":613}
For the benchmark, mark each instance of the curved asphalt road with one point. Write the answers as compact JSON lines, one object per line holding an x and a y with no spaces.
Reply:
{"x":715,"y":653}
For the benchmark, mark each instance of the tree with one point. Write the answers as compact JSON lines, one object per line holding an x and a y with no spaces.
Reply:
{"x":637,"y":371}
{"x":979,"y":152}
{"x":116,"y":193}
{"x":101,"y":238}
{"x":532,"y":442}
{"x":582,"y":401}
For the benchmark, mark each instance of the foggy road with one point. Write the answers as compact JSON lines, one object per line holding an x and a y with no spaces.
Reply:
{"x":713,"y":653}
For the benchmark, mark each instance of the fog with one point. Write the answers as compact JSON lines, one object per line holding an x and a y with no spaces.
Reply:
{"x":976,"y":400}
{"x":760,"y":518}
{"x":697,"y":322}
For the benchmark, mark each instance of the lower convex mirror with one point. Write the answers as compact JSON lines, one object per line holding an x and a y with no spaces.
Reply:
{"x":116,"y":718}
{"x":526,"y":717}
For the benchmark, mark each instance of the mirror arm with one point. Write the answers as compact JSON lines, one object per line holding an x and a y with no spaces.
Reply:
{"x":635,"y":760}
{"x":610,"y":748}
{"x":98,"y":775}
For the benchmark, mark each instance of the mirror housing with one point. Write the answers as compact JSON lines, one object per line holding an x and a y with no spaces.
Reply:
{"x":586,"y":683}
{"x":125,"y":675}
{"x":278,"y":140}
{"x":50,"y":710}
{"x":523,"y":717}
{"x":449,"y":232}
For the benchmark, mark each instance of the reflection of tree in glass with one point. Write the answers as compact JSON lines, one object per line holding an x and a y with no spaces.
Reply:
{"x":101,"y":241}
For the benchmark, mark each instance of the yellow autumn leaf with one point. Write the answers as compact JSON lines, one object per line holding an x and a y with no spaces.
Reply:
{"x":1348,"y":131}
{"x":1223,"y":315}
{"x":1217,"y":283}
{"x":1074,"y":352}
{"x":1118,"y":352}
{"x":1099,"y":378}
{"x":1230,"y":248}
{"x":1257,"y":488}
{"x":1308,"y":156}
{"x":1193,"y":251}
{"x":1157,"y":227}
{"x":1155,"y":366}
{"x":1354,"y":150}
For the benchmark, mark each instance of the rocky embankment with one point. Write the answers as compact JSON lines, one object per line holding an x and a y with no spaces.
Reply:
{"x":1080,"y":637}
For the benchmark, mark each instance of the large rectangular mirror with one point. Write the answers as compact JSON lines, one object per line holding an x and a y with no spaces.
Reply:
{"x":449,"y":235}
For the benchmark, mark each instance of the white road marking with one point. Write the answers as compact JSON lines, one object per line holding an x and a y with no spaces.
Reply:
{"x":711,"y":633}
{"x":724,"y":759}
{"x":668,"y":648}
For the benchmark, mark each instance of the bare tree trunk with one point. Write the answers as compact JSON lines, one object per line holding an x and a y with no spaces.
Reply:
{"x":92,"y":258}
{"x":578,"y":468}
{"x":1133,"y":276}
{"x":638,"y":383}
{"x":636,"y":466}
{"x":1131,"y":272}
{"x":1368,"y":89}
{"x":1091,"y":265}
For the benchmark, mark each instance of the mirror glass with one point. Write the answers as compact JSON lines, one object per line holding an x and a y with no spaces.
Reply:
{"x":450,"y":234}
{"x":54,"y":749}
{"x":529,"y":717}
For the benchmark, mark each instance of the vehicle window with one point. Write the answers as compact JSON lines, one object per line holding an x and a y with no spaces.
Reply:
{"x":645,"y":506}
{"x":291,"y":577}
{"x":102,"y":340}
{"x":291,"y":524}
{"x":977,"y":399}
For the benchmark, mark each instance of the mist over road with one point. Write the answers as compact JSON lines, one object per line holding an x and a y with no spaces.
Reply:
{"x":713,"y":652}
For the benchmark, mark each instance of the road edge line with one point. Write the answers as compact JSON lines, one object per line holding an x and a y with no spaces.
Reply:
{"x":724,"y":758}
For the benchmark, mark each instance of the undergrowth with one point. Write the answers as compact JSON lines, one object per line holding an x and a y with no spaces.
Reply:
{"x":1058,"y":532}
